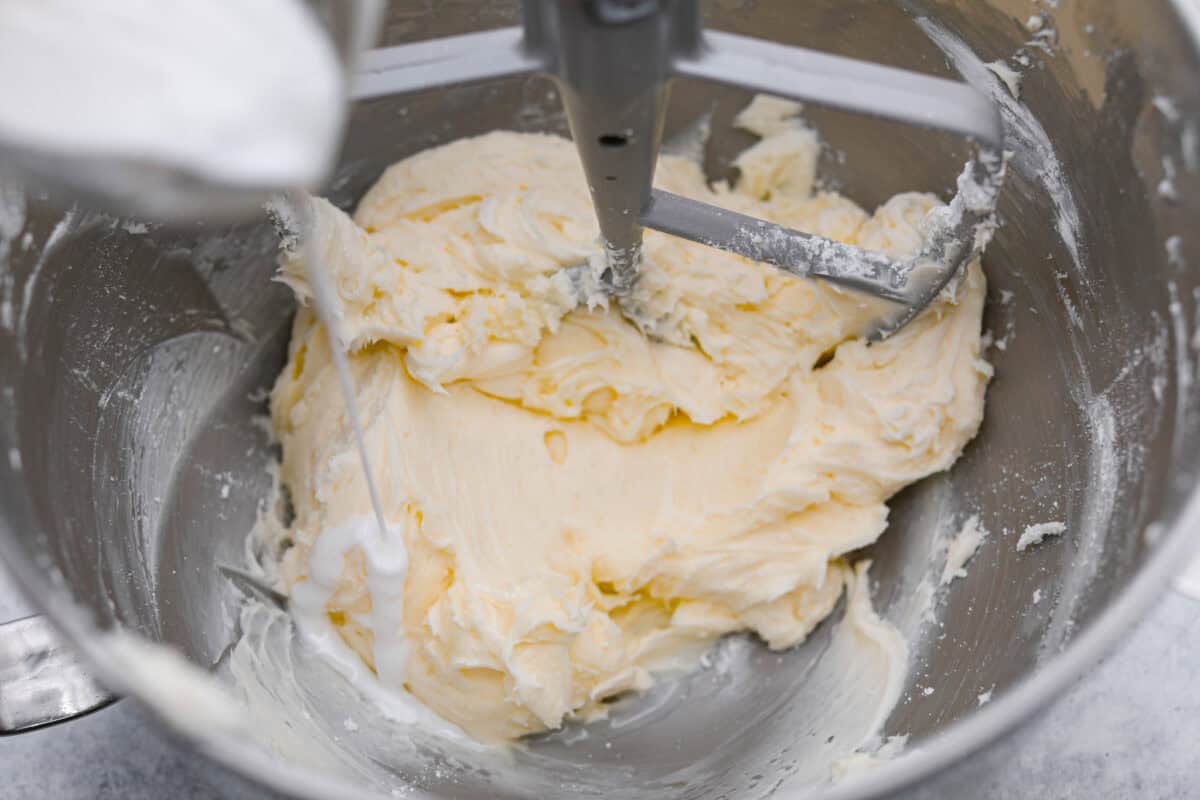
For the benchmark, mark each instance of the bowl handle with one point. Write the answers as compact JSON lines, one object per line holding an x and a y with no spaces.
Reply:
{"x":42,"y":681}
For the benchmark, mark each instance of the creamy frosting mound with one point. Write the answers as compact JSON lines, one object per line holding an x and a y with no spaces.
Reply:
{"x":584,"y":505}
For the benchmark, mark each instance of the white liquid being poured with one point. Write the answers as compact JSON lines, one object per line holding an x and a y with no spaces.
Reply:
{"x":382,"y":546}
{"x":323,"y":303}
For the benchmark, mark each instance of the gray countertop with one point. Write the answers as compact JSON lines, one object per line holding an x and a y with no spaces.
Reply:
{"x":1128,"y":729}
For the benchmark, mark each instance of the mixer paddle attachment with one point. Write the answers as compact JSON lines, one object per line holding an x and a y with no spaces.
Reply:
{"x":613,"y":61}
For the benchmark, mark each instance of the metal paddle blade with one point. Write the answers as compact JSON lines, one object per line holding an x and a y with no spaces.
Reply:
{"x":952,"y":237}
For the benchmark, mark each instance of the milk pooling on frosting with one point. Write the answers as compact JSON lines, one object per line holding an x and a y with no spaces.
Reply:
{"x":578,"y":506}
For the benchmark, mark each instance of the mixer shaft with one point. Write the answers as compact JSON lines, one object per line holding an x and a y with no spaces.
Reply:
{"x":613,"y":61}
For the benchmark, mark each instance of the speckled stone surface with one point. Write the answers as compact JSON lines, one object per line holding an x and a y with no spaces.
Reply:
{"x":1130,"y":729}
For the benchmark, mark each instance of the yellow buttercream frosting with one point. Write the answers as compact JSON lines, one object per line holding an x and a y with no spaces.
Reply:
{"x":585,"y":502}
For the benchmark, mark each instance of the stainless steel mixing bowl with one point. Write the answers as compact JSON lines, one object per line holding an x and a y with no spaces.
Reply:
{"x":132,"y":364}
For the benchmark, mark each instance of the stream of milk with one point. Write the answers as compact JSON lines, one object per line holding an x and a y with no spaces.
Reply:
{"x":324,"y":303}
{"x":381,"y":545}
